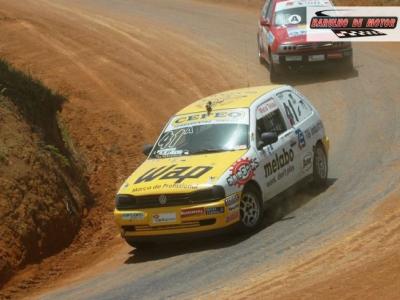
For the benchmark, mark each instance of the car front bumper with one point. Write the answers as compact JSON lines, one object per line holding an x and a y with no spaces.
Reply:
{"x":178,"y":220}
{"x":293,"y":59}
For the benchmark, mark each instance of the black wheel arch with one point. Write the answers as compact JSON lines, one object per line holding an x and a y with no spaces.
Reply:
{"x":254,"y":185}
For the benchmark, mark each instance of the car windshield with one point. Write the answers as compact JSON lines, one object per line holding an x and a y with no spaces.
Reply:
{"x":291,"y":16}
{"x":201,"y":134}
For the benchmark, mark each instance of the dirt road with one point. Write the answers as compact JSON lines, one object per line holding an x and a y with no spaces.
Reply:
{"x":126,"y":67}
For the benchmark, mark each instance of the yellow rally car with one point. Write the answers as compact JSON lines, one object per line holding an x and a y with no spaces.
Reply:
{"x":219,"y":160}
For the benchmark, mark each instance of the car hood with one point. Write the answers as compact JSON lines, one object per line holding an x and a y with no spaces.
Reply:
{"x":179,"y":174}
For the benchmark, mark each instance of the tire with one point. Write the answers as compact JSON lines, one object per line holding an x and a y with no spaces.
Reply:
{"x":139,"y":245}
{"x":348,"y":65}
{"x":320,"y":166}
{"x":251,"y":210}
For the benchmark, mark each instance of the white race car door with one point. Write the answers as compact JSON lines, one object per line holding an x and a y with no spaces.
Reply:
{"x":277,"y":159}
{"x":296,"y":113}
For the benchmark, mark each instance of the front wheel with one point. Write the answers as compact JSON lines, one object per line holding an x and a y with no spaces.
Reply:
{"x":251,"y":212}
{"x":320,"y":166}
{"x":348,"y":64}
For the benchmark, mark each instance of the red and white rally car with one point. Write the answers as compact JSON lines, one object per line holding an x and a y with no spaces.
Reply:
{"x":282,"y":38}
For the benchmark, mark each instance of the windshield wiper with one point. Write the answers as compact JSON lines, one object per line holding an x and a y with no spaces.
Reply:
{"x":210,"y":150}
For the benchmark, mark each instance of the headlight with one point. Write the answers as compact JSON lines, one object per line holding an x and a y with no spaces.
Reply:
{"x":215,"y":193}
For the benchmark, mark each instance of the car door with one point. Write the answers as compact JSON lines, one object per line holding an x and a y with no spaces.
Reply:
{"x":298,"y":116}
{"x":277,"y":159}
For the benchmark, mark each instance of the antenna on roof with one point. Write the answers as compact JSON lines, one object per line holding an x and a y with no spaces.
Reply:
{"x":209,"y":107}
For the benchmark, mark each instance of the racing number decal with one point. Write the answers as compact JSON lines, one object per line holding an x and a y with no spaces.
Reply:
{"x":172,"y":139}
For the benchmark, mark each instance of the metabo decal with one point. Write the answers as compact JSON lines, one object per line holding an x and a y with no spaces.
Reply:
{"x":242,"y":171}
{"x":173,"y":172}
{"x":300,"y":138}
{"x":281,"y":165}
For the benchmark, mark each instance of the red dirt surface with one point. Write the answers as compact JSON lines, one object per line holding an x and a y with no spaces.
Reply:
{"x":363,"y":265}
{"x":114,"y":81}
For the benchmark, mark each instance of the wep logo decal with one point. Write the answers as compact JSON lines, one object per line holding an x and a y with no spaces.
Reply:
{"x":173,"y":172}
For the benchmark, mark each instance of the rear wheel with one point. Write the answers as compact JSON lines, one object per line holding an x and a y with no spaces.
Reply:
{"x":251,"y":212}
{"x":348,"y":64}
{"x":320,"y":166}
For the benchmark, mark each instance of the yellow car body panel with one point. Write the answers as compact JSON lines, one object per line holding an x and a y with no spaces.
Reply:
{"x":182,"y":225}
{"x":179,"y":174}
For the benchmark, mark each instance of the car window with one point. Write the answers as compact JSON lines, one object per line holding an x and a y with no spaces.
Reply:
{"x":292,"y":16}
{"x":200,"y":133}
{"x":295,"y":108}
{"x":302,"y":108}
{"x":269,"y":121}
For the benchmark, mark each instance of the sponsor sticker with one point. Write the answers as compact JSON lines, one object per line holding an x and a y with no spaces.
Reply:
{"x":232,"y":202}
{"x":236,"y":116}
{"x":300,"y":138}
{"x":234,"y":216}
{"x":215,"y":210}
{"x":133,"y":216}
{"x":190,"y":212}
{"x":279,"y":162}
{"x":164,"y":218}
{"x":242,"y":171}
{"x":293,"y":32}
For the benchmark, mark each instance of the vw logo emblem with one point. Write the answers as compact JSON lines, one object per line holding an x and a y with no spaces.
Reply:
{"x":162,"y":199}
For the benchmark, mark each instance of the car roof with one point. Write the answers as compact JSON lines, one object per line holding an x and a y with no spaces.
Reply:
{"x":239,"y":98}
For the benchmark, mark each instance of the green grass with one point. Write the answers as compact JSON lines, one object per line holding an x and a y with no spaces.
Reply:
{"x":64,"y":161}
{"x":3,"y":156}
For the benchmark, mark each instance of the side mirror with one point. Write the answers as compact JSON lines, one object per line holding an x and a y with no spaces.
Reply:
{"x":265,"y":22}
{"x":268,"y":138}
{"x":147,"y":149}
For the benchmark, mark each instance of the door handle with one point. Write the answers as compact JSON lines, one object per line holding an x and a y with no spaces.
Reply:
{"x":293,"y":143}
